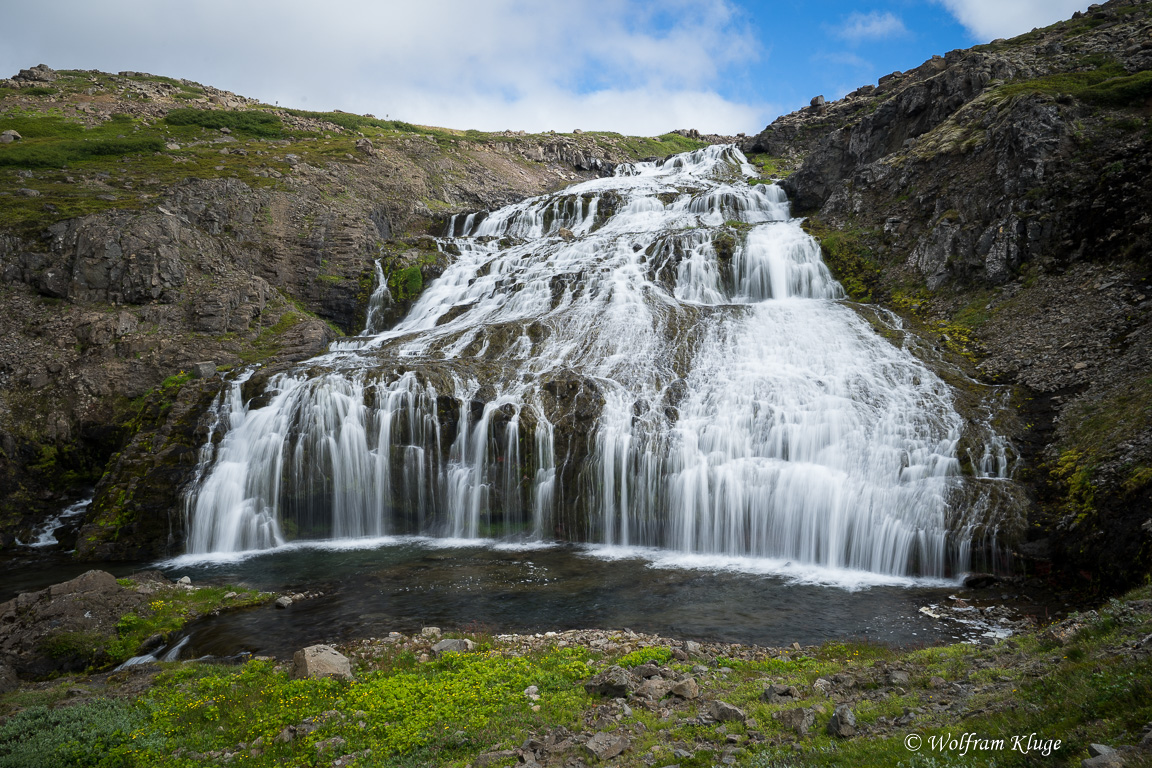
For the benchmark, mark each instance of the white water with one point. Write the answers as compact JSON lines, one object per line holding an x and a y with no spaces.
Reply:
{"x":46,"y":533}
{"x":653,"y":377}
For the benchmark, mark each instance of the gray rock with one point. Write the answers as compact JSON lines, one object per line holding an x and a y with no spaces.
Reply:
{"x":843,"y":722}
{"x":823,"y":685}
{"x":319,"y":661}
{"x":491,"y":758}
{"x":8,"y":679}
{"x":455,"y":645}
{"x":725,"y":712}
{"x":799,"y":720}
{"x":692,"y":647}
{"x":430,"y":632}
{"x":40,"y":73}
{"x":605,"y":746}
{"x":1096,"y":750}
{"x":897,"y":677}
{"x":9,"y":136}
{"x":26,"y":192}
{"x":365,"y":146}
{"x":654,"y":688}
{"x":204,"y":370}
{"x":817,"y":101}
{"x":283,"y":602}
{"x":614,"y":683}
{"x":780,"y":694}
{"x":1110,"y":760}
{"x":686,"y":689}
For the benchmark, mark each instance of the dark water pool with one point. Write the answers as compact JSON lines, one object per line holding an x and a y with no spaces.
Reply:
{"x":370,"y":589}
{"x":408,"y":584}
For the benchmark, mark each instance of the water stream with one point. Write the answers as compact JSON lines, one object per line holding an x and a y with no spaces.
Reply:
{"x":655,"y":360}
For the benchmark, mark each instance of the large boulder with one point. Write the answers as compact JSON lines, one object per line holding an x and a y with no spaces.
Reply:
{"x":614,"y":683}
{"x":319,"y":661}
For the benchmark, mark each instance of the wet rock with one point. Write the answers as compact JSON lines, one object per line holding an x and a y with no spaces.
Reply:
{"x":723,"y":712}
{"x":283,"y":601}
{"x":605,"y":745}
{"x":319,"y":661}
{"x":456,"y":645}
{"x":843,"y":722}
{"x":980,"y":580}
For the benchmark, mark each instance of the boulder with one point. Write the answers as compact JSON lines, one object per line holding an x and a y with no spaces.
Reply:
{"x":799,"y":720}
{"x":843,"y":722}
{"x":455,"y":645}
{"x":686,"y":689}
{"x":605,"y":746}
{"x":654,"y":688}
{"x":365,"y":146}
{"x":205,"y":370}
{"x":725,"y":712}
{"x":780,"y":694}
{"x":40,"y":73}
{"x":614,"y":682}
{"x":319,"y":661}
{"x":283,"y":601}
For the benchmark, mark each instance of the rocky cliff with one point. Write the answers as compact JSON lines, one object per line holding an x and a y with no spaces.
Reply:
{"x":155,"y":232}
{"x":999,"y":198}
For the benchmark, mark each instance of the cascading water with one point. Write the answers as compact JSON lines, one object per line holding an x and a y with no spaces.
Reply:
{"x":655,"y":359}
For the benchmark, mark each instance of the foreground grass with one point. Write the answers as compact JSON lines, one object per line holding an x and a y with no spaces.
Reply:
{"x":1083,"y":681}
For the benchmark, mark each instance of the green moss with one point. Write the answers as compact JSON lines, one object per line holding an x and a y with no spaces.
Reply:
{"x":849,"y":257}
{"x":405,"y":284}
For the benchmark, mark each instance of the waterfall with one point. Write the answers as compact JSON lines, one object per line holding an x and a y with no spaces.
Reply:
{"x":656,"y":359}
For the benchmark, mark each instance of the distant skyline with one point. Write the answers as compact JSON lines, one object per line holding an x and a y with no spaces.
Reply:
{"x":721,"y":66}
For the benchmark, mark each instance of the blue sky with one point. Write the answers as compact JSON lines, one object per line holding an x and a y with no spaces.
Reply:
{"x":724,"y":66}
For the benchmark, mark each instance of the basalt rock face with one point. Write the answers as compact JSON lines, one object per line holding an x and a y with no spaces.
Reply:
{"x":1002,"y":193}
{"x":266,"y":259}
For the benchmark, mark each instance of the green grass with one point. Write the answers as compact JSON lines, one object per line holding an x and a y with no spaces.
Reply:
{"x":249,"y":122}
{"x":1108,"y":85}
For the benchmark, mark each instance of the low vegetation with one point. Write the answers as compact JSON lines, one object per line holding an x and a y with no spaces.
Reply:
{"x":1081,"y":681}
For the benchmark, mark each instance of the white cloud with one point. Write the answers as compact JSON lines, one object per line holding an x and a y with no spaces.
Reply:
{"x":991,"y":19}
{"x":871,"y":26}
{"x":596,"y":64}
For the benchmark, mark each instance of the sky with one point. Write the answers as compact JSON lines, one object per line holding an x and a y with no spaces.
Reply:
{"x":643,"y":68}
